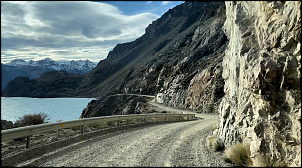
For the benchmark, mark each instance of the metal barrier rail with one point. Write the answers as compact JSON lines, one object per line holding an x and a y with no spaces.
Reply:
{"x":27,"y":131}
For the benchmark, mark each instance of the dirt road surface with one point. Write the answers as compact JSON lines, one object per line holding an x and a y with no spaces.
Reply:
{"x":180,"y":144}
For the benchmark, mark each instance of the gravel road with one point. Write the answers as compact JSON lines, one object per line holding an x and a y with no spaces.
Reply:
{"x":180,"y":144}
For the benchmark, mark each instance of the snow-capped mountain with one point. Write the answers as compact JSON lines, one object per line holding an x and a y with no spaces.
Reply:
{"x":33,"y":69}
{"x":80,"y":66}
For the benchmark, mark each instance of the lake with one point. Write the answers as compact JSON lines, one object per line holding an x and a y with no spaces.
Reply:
{"x":57,"y":108}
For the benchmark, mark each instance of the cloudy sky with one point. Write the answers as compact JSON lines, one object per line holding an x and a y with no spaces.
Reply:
{"x":73,"y":30}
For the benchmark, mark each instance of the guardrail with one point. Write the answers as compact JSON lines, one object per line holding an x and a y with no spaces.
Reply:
{"x":28,"y":131}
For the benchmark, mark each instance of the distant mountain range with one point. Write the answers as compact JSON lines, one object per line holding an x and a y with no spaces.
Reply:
{"x":34,"y":69}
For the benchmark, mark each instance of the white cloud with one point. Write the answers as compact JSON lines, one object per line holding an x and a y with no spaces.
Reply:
{"x":166,"y":2}
{"x":47,"y":28}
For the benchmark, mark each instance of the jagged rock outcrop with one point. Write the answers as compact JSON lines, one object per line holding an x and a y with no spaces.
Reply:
{"x":195,"y":82}
{"x":262,"y":71}
{"x":116,"y":105}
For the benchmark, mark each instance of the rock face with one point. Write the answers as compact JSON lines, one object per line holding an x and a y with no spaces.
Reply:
{"x":195,"y":82}
{"x":116,"y":105}
{"x":262,"y":70}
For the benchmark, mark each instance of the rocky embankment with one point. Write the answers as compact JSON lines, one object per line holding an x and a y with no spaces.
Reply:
{"x":118,"y":105}
{"x":262,"y":71}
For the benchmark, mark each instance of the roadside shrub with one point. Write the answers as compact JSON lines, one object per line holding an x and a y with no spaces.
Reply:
{"x":31,"y":119}
{"x":214,"y":144}
{"x":239,"y":154}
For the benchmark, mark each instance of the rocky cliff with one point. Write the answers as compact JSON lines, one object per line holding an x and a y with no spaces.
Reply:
{"x":262,"y":70}
{"x":117,"y":105}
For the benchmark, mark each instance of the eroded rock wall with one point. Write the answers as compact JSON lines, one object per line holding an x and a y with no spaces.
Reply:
{"x":262,"y":70}
{"x":195,"y":82}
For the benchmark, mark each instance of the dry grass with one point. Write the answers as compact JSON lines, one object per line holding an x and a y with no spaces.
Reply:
{"x":31,"y":119}
{"x":239,"y":154}
{"x":214,"y":144}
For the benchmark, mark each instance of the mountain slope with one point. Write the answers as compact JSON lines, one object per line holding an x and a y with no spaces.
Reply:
{"x":182,"y":67}
{"x":134,"y":67}
{"x":8,"y":73}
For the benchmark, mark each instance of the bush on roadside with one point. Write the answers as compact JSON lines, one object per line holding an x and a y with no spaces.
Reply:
{"x":214,"y":144}
{"x":239,"y":154}
{"x":31,"y":119}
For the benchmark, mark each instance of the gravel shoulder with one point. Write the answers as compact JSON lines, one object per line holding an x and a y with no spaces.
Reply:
{"x":180,"y":144}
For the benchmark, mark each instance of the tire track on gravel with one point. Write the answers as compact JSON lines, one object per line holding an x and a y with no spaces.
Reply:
{"x":125,"y":148}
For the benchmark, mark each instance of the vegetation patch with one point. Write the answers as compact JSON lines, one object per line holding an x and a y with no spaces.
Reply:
{"x":239,"y":154}
{"x":31,"y":119}
{"x":214,"y":144}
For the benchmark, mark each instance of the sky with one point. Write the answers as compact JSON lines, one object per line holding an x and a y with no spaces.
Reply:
{"x":73,"y":30}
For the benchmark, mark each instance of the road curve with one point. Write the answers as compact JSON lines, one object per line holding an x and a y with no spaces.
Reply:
{"x":159,"y":145}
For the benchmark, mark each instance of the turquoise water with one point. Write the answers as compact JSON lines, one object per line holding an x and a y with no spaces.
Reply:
{"x":57,"y":108}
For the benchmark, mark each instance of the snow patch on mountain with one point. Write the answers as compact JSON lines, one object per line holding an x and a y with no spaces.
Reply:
{"x":69,"y":66}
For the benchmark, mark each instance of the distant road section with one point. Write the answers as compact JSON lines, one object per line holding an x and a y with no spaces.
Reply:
{"x":134,"y":95}
{"x":169,"y":144}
